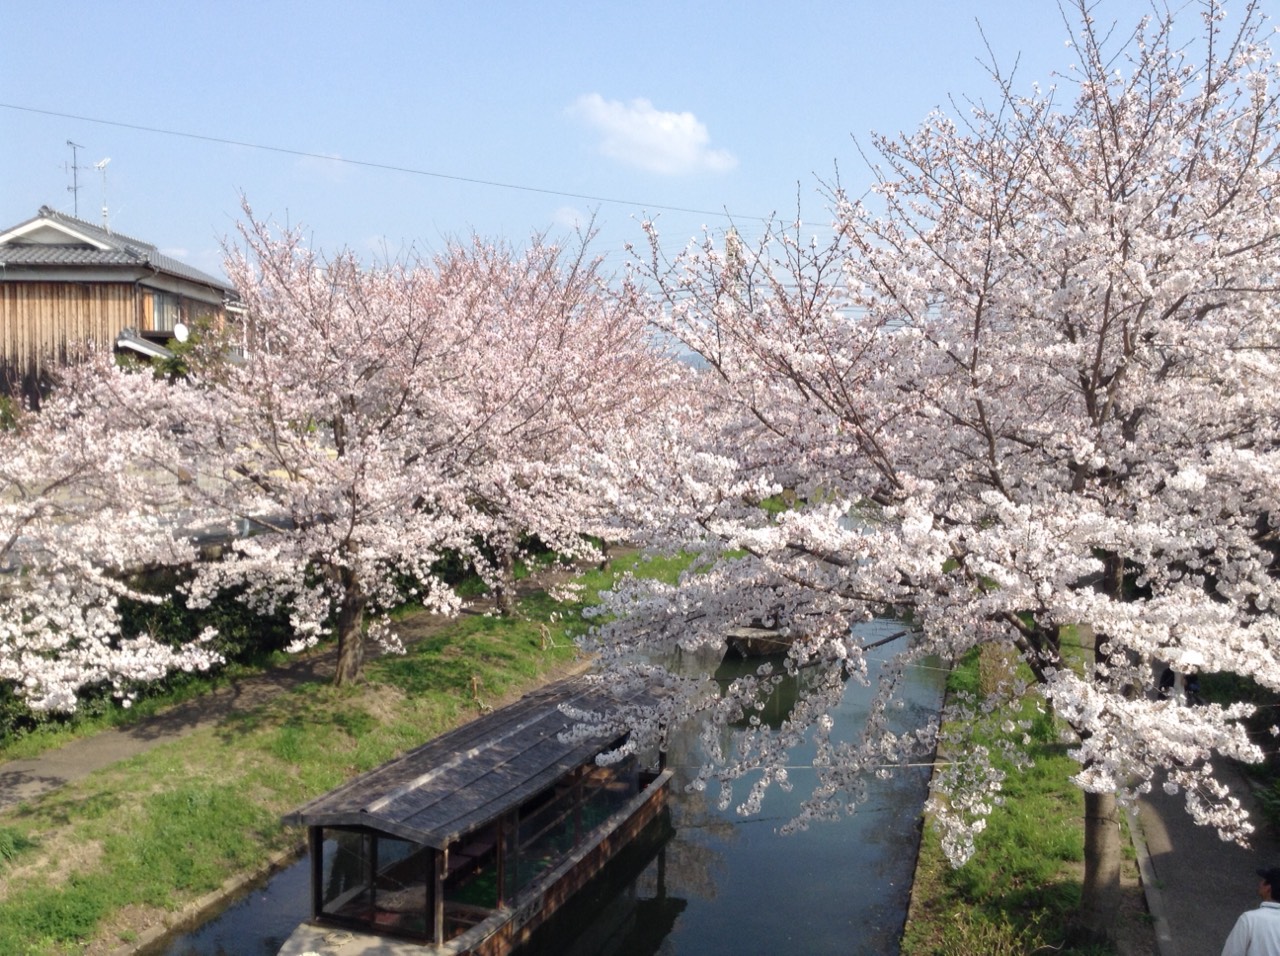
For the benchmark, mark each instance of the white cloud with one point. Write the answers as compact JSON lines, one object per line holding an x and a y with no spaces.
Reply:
{"x":570,"y":217}
{"x":655,"y":140}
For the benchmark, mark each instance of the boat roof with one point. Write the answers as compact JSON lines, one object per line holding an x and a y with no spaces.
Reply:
{"x":473,"y":774}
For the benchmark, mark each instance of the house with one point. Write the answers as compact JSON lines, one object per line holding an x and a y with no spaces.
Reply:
{"x":66,"y":283}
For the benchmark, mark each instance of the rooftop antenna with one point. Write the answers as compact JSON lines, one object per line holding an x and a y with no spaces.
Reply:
{"x":74,"y":188}
{"x":102,"y":168}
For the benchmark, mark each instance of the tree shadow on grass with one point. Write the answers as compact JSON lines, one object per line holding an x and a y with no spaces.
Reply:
{"x":68,"y":806}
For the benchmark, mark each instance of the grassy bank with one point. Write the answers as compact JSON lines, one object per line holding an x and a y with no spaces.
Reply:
{"x":1016,"y":894}
{"x":87,"y":867}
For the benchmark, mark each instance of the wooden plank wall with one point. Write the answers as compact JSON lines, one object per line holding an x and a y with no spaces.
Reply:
{"x":48,"y":322}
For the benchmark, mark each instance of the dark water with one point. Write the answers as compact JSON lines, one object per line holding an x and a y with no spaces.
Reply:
{"x":255,"y":924}
{"x":699,"y":880}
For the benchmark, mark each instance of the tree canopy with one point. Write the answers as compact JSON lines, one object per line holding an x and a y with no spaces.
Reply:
{"x":77,"y":515}
{"x":1027,"y":395}
{"x":355,"y":428}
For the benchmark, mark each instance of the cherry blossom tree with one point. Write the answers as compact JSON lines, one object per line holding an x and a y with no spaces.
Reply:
{"x":1027,"y":396}
{"x":382,"y":418}
{"x":317,"y":451}
{"x":78,"y":520}
{"x":557,"y":360}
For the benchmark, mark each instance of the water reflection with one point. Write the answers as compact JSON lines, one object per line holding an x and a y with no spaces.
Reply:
{"x":701,"y":880}
{"x":778,"y":702}
{"x":627,"y":909}
{"x":839,"y":887}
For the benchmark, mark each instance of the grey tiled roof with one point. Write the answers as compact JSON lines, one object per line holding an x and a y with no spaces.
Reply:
{"x":473,"y":774}
{"x":123,"y":251}
{"x":47,"y":255}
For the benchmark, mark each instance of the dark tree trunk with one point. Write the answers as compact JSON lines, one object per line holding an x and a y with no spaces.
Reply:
{"x":504,"y":593}
{"x":1100,"y":894}
{"x":350,"y":626}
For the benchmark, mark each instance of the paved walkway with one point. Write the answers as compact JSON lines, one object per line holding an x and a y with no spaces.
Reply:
{"x":1196,"y":884}
{"x":27,"y":779}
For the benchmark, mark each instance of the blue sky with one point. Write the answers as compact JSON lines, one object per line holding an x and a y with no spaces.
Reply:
{"x":705,"y":107}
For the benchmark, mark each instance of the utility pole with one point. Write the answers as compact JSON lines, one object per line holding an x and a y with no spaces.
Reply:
{"x":74,"y":188}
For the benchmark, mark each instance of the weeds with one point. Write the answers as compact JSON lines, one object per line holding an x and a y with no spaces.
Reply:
{"x":13,"y":842}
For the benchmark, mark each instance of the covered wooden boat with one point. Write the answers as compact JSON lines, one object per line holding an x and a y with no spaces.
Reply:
{"x":758,"y":641}
{"x":466,"y":844}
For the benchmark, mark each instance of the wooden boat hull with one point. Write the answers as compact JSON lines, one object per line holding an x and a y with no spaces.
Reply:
{"x":758,"y":641}
{"x":512,"y":924}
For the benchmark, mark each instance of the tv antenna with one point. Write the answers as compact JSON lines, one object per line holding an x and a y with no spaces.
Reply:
{"x":102,"y":168}
{"x":74,"y":188}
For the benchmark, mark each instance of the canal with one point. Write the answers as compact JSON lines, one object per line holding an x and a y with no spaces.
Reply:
{"x":700,"y":880}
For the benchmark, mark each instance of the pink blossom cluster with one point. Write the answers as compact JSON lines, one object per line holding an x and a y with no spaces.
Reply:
{"x":356,"y":427}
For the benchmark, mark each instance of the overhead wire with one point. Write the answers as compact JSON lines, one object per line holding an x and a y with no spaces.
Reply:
{"x":616,"y":250}
{"x":371,"y":164}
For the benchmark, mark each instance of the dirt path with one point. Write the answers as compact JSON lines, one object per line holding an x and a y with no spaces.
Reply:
{"x":33,"y":777}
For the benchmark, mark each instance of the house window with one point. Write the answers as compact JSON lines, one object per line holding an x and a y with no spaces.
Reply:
{"x":163,"y":311}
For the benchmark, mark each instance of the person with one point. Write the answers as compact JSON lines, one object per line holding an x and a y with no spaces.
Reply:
{"x":1257,"y":931}
{"x":1191,"y":684}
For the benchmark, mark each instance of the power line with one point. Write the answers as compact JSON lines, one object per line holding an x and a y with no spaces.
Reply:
{"x":368,"y":164}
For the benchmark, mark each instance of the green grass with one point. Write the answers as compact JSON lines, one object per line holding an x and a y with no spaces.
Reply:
{"x":153,"y":832}
{"x":1022,"y":885}
{"x":13,"y":842}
